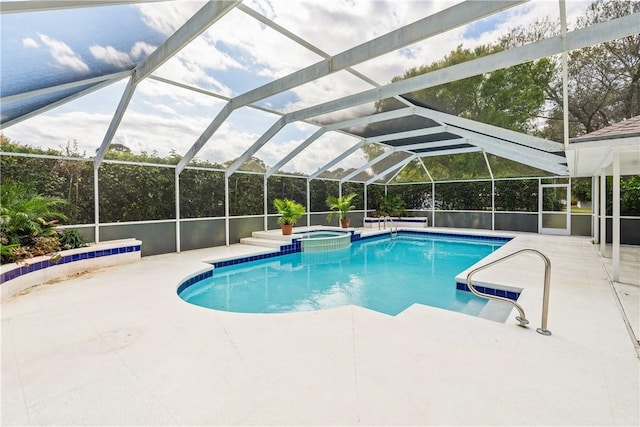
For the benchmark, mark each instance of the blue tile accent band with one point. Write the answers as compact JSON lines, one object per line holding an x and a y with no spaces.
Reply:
{"x":490,"y":291}
{"x":30,"y":268}
{"x":464,"y":236}
{"x":195,"y":279}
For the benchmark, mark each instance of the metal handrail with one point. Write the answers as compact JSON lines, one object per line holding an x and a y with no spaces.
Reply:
{"x":391,"y":226}
{"x":545,"y":299}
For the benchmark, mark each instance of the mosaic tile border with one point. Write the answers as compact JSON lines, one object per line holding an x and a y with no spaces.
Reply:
{"x":465,"y":236}
{"x":41,"y":265}
{"x":490,"y":291}
{"x":195,"y":279}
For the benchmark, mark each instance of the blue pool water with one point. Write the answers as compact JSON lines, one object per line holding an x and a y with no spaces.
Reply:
{"x":383,"y":274}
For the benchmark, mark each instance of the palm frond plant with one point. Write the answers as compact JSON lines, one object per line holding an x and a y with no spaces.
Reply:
{"x":290,"y":212}
{"x":27,"y":222}
{"x":342,"y":206}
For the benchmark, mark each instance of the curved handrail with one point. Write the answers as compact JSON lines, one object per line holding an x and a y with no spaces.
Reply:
{"x":391,"y":225}
{"x":521,"y":318}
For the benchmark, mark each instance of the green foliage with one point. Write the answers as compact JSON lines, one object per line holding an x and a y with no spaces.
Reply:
{"x":71,"y":180}
{"x":289,"y":210}
{"x":509,"y":98}
{"x":505,"y":168}
{"x":473,"y":196}
{"x":355,"y":187}
{"x":603,"y":79}
{"x":124,"y":154}
{"x":136,"y":193}
{"x":414,"y":196}
{"x":630,"y":198}
{"x":375,"y":193}
{"x":319,"y":191}
{"x":70,"y":239}
{"x":414,"y":171}
{"x":391,"y":205}
{"x":280,"y":187}
{"x":27,"y":222}
{"x":580,"y":190}
{"x":201,"y":193}
{"x":246,"y":194}
{"x":458,"y":166}
{"x":254,"y":164}
{"x":26,"y":214}
{"x":340,"y":204}
{"x":516,"y":195}
{"x":629,"y":195}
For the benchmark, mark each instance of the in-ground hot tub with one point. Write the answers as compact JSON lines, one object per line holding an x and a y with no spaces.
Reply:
{"x":323,"y":240}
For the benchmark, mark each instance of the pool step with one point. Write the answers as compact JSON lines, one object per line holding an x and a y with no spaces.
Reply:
{"x":271,"y":235}
{"x":266,"y":243}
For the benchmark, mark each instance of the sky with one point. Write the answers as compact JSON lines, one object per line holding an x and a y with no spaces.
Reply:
{"x":235,"y":55}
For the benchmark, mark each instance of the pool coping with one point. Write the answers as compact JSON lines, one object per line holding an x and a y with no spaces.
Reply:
{"x":118,"y":347}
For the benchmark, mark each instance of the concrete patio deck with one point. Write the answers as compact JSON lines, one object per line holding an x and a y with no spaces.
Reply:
{"x":118,"y":347}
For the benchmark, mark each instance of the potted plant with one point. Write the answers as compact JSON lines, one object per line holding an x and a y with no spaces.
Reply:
{"x":343,"y":206}
{"x":290,"y":212}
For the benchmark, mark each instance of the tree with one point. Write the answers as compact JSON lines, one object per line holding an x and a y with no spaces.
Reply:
{"x":508,"y":98}
{"x":254,"y":164}
{"x":604,"y":80}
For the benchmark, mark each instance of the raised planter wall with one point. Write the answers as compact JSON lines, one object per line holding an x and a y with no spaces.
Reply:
{"x":35,"y":271}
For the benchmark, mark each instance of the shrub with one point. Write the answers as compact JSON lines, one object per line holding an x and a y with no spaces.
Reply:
{"x":27,"y":222}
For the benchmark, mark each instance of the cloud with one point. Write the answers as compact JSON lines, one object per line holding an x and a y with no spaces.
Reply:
{"x":317,"y":154}
{"x":255,"y":49}
{"x":29,"y":42}
{"x":141,"y":50}
{"x":113,"y":56}
{"x":166,"y":17}
{"x":110,"y":55}
{"x":55,"y":130}
{"x":196,"y":65}
{"x":63,"y":54}
{"x":157,"y":93}
{"x":163,"y":117}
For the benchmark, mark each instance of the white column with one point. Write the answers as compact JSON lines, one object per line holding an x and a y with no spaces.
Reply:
{"x":177,"y":178}
{"x":433,"y":203}
{"x":226,"y":209}
{"x":603,"y":211}
{"x":565,"y":74}
{"x":365,"y":205}
{"x":615,"y":241}
{"x":266,"y":207}
{"x":308,"y":202}
{"x":96,"y":203}
{"x":595,"y":209}
{"x":493,"y":204}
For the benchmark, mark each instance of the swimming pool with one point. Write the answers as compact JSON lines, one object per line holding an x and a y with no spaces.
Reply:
{"x":384,"y":274}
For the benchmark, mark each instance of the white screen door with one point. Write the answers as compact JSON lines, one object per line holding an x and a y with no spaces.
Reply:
{"x":555,"y":208}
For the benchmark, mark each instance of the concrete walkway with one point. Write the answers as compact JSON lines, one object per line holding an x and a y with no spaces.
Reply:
{"x":118,"y":347}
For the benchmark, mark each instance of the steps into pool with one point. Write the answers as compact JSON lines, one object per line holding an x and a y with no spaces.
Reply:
{"x":267,"y":239}
{"x":274,"y":239}
{"x":266,"y":243}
